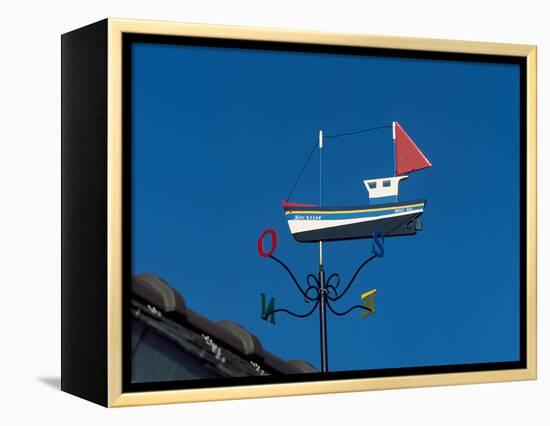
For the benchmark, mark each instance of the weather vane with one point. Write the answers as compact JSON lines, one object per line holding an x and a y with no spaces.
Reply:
{"x":384,"y":216}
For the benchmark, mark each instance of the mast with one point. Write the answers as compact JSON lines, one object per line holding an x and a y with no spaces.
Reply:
{"x":394,"y":148}
{"x":320,"y":168}
{"x":322,"y":288}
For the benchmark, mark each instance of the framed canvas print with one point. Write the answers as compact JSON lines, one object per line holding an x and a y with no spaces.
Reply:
{"x":255,"y":212}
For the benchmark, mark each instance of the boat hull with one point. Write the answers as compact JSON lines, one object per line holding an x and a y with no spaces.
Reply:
{"x":313,"y":224}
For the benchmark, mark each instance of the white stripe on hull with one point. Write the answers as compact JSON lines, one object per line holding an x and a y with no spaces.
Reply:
{"x":313,"y":225}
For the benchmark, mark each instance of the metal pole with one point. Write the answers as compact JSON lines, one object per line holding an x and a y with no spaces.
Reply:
{"x":322,"y":288}
{"x":323,"y":313}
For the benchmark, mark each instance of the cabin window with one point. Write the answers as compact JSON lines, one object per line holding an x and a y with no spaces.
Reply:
{"x":372,"y":185}
{"x":386,"y":183}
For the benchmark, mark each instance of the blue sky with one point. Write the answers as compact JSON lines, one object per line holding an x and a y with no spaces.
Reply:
{"x":219,"y":136}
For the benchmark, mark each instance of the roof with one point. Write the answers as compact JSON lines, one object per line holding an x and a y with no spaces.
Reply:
{"x":170,"y":341}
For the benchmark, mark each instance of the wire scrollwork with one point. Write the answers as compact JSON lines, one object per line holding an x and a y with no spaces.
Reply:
{"x":314,"y":289}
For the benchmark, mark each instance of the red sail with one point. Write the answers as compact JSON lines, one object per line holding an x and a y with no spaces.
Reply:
{"x":409,"y":158}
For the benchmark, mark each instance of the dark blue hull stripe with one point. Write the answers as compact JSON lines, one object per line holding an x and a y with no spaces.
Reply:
{"x":389,"y":227}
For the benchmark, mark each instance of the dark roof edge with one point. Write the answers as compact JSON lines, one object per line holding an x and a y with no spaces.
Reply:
{"x":156,"y":291}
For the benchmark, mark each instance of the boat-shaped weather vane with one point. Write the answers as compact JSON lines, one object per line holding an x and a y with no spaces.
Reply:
{"x":384,"y":216}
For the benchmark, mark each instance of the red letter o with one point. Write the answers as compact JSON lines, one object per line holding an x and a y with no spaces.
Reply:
{"x":273,"y":234}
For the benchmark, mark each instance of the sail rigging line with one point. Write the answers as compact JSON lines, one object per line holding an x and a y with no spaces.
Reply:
{"x":315,"y":146}
{"x":302,"y":171}
{"x":355,"y":132}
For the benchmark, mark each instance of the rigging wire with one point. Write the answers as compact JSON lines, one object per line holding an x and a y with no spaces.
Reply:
{"x":302,"y":171}
{"x":355,"y":132}
{"x":337,"y":135}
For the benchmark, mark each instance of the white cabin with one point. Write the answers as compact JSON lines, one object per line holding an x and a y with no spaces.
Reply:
{"x":383,"y":190}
